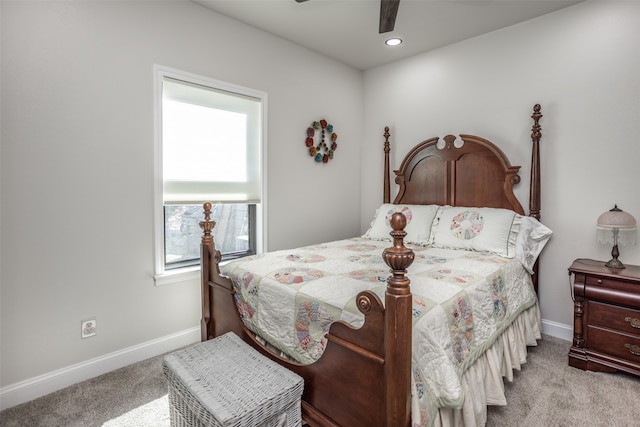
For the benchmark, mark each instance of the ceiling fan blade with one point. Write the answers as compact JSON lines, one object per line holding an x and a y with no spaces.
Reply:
{"x":388,"y":12}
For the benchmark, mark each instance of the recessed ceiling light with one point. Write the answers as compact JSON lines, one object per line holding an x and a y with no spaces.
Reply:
{"x":395,"y":41}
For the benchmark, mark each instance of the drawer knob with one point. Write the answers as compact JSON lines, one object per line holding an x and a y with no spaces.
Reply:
{"x":599,"y":281}
{"x":633,"y":349}
{"x":633,"y":321}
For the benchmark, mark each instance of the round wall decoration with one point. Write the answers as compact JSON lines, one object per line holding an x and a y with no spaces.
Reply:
{"x":316,"y":144}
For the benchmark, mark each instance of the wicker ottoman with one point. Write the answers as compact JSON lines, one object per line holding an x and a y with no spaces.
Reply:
{"x":224,"y":382}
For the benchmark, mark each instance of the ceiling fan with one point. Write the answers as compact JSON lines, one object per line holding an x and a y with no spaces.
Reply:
{"x":388,"y":12}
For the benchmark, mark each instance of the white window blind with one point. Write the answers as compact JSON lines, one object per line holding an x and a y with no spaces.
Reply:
{"x":211,"y":145}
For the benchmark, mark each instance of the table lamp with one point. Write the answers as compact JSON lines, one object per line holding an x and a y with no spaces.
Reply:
{"x":617,"y":227}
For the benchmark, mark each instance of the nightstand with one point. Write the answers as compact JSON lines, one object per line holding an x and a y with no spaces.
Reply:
{"x":606,"y":317}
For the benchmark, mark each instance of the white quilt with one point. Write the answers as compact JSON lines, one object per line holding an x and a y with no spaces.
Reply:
{"x":462,"y":301}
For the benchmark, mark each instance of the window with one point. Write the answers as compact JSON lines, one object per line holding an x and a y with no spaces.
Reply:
{"x":209,"y":147}
{"x":234,"y":233}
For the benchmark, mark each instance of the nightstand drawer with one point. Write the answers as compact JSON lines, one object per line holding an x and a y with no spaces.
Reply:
{"x":601,"y":281}
{"x":619,"y":345}
{"x":614,"y":317}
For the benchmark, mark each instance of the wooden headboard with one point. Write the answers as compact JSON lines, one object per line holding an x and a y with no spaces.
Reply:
{"x":463,"y":171}
{"x":475,"y":174}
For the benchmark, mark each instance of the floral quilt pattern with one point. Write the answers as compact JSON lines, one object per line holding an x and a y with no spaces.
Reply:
{"x":462,"y":301}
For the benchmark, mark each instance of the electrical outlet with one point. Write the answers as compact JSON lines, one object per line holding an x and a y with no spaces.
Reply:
{"x":89,"y":328}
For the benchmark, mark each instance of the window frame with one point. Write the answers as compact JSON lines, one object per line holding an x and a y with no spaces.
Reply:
{"x":164,"y":275}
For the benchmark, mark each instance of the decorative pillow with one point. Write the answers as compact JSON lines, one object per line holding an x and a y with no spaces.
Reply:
{"x":532,"y":238}
{"x":419,"y":219}
{"x":476,"y":229}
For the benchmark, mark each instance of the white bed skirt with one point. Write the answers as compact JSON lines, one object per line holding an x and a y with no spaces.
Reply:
{"x":483,"y":382}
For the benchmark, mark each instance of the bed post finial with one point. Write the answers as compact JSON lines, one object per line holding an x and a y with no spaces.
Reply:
{"x":207,"y":225}
{"x":398,"y":326}
{"x":387,"y":187}
{"x":536,"y":118}
{"x":534,"y":189}
{"x":398,"y":257}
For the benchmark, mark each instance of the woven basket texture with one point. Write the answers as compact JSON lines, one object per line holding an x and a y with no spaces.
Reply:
{"x":224,"y":382}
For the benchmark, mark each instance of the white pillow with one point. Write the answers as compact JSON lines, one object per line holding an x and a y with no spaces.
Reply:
{"x":477,"y":229}
{"x":532,"y":238}
{"x":419,"y":219}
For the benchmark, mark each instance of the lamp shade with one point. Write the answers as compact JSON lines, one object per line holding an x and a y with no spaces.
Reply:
{"x":623,"y":223}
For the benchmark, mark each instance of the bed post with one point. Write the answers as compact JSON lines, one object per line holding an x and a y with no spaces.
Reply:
{"x":387,"y":186}
{"x":534,"y":191}
{"x":398,"y":328}
{"x":206,"y":252}
{"x":534,"y":184}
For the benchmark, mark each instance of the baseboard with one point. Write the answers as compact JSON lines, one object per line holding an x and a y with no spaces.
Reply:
{"x":33,"y":388}
{"x":558,"y":330}
{"x":41,"y":385}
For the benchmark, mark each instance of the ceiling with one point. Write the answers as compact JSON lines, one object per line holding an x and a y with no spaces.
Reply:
{"x":347,"y":30}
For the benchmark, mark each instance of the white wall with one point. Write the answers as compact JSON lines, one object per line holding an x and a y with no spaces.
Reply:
{"x":77,"y":152}
{"x":582,"y":65}
{"x":77,"y":168}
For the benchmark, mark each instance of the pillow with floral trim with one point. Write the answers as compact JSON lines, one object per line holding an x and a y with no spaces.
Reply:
{"x":419,"y":220}
{"x":476,"y":229}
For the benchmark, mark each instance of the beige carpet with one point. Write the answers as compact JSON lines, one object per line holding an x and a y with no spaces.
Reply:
{"x":546,"y":393}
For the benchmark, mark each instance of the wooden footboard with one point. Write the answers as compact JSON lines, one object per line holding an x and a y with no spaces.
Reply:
{"x":363,"y":377}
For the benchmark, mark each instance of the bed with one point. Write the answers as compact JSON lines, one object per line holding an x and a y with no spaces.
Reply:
{"x":424,"y":340}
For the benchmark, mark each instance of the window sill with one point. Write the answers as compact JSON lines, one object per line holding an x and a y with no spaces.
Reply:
{"x":178,"y":275}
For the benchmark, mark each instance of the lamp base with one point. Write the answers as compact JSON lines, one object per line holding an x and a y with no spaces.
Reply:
{"x":615,"y":263}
